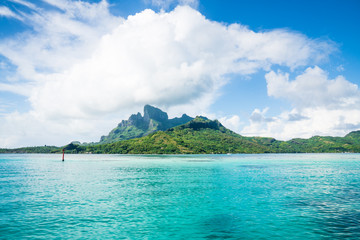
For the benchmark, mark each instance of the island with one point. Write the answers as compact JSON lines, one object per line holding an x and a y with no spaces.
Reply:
{"x":155,"y":133}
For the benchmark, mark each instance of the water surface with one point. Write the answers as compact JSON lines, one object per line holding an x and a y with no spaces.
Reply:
{"x":274,"y":196}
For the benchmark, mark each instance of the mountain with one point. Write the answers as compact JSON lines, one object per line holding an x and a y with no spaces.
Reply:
{"x":155,"y":133}
{"x":324,"y":144}
{"x":138,"y":126}
{"x":200,"y":135}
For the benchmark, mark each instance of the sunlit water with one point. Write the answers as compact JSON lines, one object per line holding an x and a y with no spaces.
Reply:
{"x":299,"y":196}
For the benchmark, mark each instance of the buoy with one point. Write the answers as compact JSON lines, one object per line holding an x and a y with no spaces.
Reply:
{"x":63,"y":153}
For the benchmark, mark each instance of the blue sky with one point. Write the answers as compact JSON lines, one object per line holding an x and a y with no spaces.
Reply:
{"x":71,"y":70}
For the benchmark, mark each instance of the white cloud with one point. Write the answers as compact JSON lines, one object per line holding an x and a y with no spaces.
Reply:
{"x":233,"y":122}
{"x":165,"y":4}
{"x":25,"y":3}
{"x":321,"y":106}
{"x":313,"y":89}
{"x":31,"y":129}
{"x":174,"y":58}
{"x":83,"y":63}
{"x":20,"y":89}
{"x":6,"y":12}
{"x":61,"y":38}
{"x":313,"y":121}
{"x":340,"y":68}
{"x":259,"y":116}
{"x":191,"y":3}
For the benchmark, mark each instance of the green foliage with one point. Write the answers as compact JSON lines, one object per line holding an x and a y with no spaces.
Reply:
{"x":138,"y":126}
{"x":205,"y":136}
{"x":196,"y":137}
{"x":42,"y":149}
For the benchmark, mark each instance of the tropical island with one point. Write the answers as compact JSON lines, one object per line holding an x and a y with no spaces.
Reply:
{"x":155,"y":133}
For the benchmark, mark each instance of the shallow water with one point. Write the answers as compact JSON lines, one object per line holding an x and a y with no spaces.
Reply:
{"x":278,"y":196}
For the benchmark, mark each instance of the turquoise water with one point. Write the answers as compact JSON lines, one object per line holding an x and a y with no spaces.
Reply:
{"x":298,"y":196}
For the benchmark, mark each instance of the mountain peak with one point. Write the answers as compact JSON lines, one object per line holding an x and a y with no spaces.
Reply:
{"x":200,"y":123}
{"x":353,"y":134}
{"x":137,"y":125}
{"x":151,"y":112}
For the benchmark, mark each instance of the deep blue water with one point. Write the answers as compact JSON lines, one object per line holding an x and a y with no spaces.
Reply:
{"x":280,"y":196}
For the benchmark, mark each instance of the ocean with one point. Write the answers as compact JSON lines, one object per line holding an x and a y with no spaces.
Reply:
{"x":260,"y":196}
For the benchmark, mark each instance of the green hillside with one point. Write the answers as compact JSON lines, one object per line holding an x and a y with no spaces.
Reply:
{"x":41,"y":149}
{"x":203,"y":136}
{"x":197,"y":136}
{"x":138,"y":126}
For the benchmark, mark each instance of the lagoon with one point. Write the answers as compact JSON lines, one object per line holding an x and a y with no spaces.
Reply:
{"x":260,"y":196}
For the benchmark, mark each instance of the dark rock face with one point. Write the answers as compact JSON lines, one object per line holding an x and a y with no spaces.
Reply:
{"x":134,"y":120}
{"x":137,"y":125}
{"x":151,"y":112}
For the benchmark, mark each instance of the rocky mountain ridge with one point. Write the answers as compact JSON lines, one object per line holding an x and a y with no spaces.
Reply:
{"x":137,"y":125}
{"x":155,"y":133}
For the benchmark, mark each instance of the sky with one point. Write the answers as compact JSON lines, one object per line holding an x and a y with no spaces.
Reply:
{"x":72,"y":70}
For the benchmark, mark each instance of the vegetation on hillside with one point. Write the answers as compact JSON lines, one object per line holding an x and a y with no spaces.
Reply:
{"x":41,"y":149}
{"x":201,"y":136}
{"x":138,"y":126}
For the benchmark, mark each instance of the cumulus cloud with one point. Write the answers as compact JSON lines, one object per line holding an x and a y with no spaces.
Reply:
{"x":30,"y":129}
{"x":80,"y":64}
{"x":259,"y":116}
{"x":174,"y":58}
{"x":313,"y":88}
{"x":321,"y":106}
{"x":60,"y":38}
{"x":233,"y":123}
{"x":314,"y":121}
{"x":296,"y":117}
